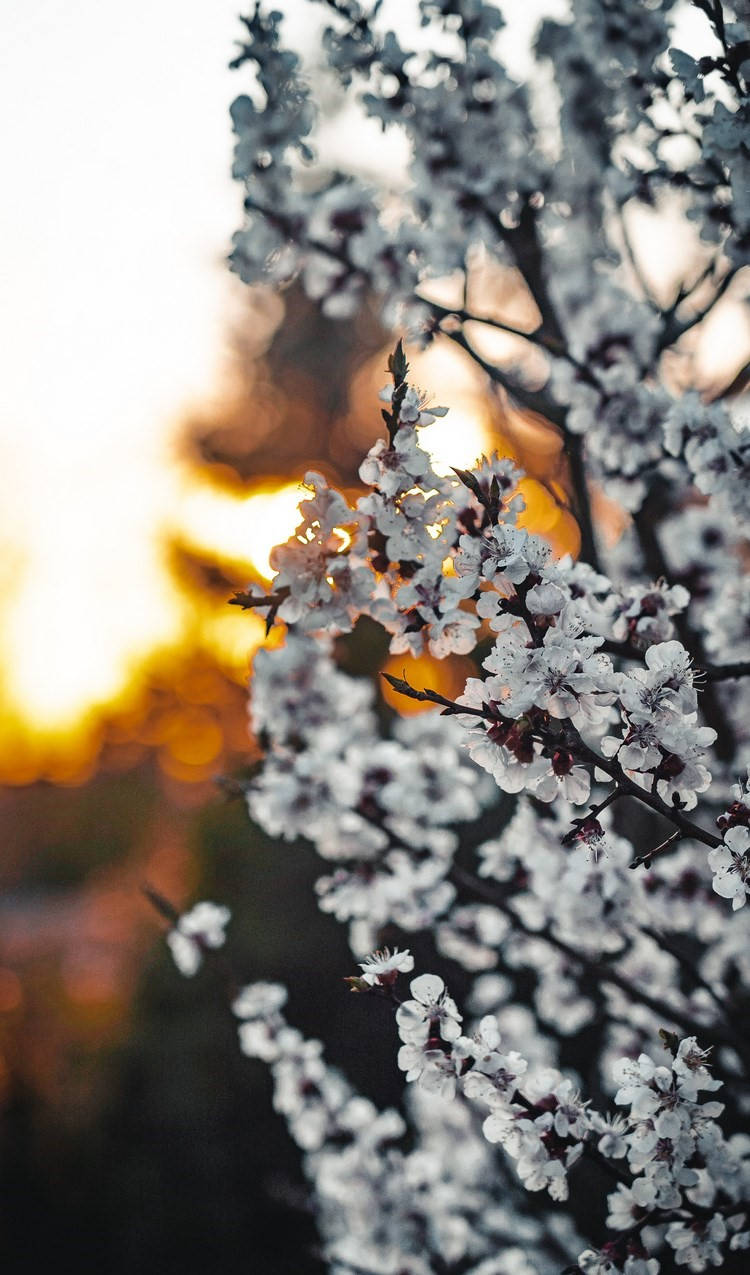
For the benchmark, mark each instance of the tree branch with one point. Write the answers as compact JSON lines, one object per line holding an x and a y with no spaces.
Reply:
{"x":574,"y":451}
{"x":532,"y":400}
{"x":675,"y":328}
{"x":604,"y":973}
{"x":726,"y":672}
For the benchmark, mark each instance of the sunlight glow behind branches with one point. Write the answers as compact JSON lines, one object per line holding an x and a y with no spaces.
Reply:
{"x":118,"y":207}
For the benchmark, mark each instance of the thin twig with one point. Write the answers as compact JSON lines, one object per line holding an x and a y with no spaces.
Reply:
{"x":635,"y":264}
{"x":604,"y":973}
{"x":654,"y":802}
{"x":647,"y":858}
{"x":661,"y":939}
{"x":535,"y":336}
{"x":585,"y":753}
{"x":532,"y":400}
{"x":675,"y":328}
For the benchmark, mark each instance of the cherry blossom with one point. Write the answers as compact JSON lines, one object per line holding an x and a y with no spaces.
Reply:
{"x":383,"y":968}
{"x":730,"y":864}
{"x":198,"y":931}
{"x":565,"y":830}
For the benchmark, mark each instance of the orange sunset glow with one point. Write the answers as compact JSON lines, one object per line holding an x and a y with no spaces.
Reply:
{"x":93,"y":617}
{"x":118,"y":323}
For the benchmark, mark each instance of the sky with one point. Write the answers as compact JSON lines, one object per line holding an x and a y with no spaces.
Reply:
{"x":116,"y":211}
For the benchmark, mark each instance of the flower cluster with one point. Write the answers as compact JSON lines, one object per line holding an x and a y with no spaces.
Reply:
{"x":442,"y":563}
{"x":412,"y":565}
{"x":730,"y":864}
{"x":382,"y":810}
{"x":677,"y":1153}
{"x":197,"y":932}
{"x":392,"y":1203}
{"x":716,"y":450}
{"x":565,"y":829}
{"x":663,"y":746}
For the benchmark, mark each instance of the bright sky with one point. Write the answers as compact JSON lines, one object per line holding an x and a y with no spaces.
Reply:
{"x":116,"y":212}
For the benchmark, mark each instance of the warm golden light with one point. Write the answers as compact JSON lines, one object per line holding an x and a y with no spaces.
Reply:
{"x":68,"y":644}
{"x":468,"y":430}
{"x":447,"y":676}
{"x":87,"y":616}
{"x":458,"y":439}
{"x":113,"y":320}
{"x":96,"y":599}
{"x":238,"y":527}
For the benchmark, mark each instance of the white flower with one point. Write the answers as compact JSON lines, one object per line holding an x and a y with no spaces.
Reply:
{"x":664,"y":686}
{"x":431,"y":1012}
{"x":413,"y":411}
{"x":624,"y":1207}
{"x":494,"y":1076}
{"x":396,"y":468}
{"x":593,"y":1262}
{"x":730,"y":864}
{"x":259,"y":1000}
{"x":641,"y":1085}
{"x":433,"y":1069}
{"x":697,"y":1244}
{"x":383,"y":967}
{"x":200,"y":929}
{"x":612,"y":1129}
{"x":566,"y":678}
{"x":690,"y":1068}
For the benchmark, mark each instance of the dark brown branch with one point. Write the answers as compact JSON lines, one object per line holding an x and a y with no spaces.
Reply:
{"x":626,"y":786}
{"x":574,"y":452}
{"x":724,"y":672}
{"x":427,"y":696}
{"x":526,"y":250}
{"x":662,"y":940}
{"x":535,"y":336}
{"x":675,"y":328}
{"x":655,"y":803}
{"x":531,"y":400}
{"x":603,"y":972}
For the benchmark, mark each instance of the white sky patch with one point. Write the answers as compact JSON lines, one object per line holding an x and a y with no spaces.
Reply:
{"x":116,"y":212}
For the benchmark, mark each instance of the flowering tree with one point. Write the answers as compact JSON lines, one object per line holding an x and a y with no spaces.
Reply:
{"x":589,"y":765}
